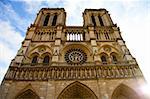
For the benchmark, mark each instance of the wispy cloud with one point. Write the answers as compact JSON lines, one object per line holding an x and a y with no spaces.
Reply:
{"x":33,"y":6}
{"x":9,"y":14}
{"x":132,"y":16}
{"x":10,"y":41}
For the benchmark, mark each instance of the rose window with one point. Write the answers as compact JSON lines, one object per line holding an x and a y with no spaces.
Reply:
{"x":75,"y":56}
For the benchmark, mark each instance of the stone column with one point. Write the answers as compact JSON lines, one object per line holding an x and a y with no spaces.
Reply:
{"x":42,"y":19}
{"x":89,"y":22}
{"x":96,"y":58}
{"x":105,"y":20}
{"x":59,"y":32}
{"x":109,"y":19}
{"x":97,"y":20}
{"x":50,"y":20}
{"x":87,"y":37}
{"x":95,"y":51}
{"x":91,"y":32}
{"x":38,"y":18}
{"x":60,"y":19}
{"x":56,"y":52}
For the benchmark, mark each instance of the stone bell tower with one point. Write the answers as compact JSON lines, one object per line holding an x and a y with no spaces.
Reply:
{"x":57,"y":61}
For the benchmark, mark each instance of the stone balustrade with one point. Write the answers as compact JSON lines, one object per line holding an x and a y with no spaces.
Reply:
{"x":45,"y":72}
{"x":73,"y":34}
{"x":45,"y":34}
{"x":104,"y":34}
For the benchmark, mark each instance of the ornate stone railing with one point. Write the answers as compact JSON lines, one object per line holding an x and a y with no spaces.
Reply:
{"x":71,"y":33}
{"x":104,"y":33}
{"x":72,"y":72}
{"x":74,"y":34}
{"x":45,"y":34}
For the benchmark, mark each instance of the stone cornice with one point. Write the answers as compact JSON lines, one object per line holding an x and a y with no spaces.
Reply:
{"x":45,"y":72}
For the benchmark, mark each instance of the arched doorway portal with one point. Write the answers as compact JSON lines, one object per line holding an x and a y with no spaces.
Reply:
{"x":28,"y":94}
{"x":124,"y":92}
{"x":77,"y":90}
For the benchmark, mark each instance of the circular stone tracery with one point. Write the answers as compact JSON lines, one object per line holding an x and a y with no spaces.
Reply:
{"x":75,"y":56}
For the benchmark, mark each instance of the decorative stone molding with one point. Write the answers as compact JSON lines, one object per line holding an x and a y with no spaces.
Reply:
{"x":29,"y":72}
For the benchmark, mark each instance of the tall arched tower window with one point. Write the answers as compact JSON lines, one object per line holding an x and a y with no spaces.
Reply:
{"x":93,"y":20}
{"x":104,"y":59}
{"x":46,"y":59}
{"x":54,"y":20}
{"x":114,"y":59}
{"x":34,"y":59}
{"x":46,"y":20}
{"x":101,"y":21}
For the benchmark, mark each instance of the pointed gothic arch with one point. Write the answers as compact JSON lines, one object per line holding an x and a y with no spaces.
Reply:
{"x":114,"y":57}
{"x":34,"y":57}
{"x":77,"y":90}
{"x":93,"y":20}
{"x":46,"y":57}
{"x":46,"y":20}
{"x":100,"y":20}
{"x":54,"y":20}
{"x":28,"y":94}
{"x":104,"y":58}
{"x":124,"y":92}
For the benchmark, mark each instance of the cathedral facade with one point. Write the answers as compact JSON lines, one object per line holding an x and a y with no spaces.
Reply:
{"x":57,"y":61}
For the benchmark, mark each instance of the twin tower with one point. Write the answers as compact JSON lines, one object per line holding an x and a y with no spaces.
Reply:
{"x":57,"y":16}
{"x":57,"y":61}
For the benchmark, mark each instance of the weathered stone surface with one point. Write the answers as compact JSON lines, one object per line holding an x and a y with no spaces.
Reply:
{"x":101,"y":65}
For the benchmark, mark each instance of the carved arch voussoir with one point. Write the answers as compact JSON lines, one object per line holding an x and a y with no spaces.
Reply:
{"x":125,"y":91}
{"x":108,"y":49}
{"x":71,"y":91}
{"x":40,"y":49}
{"x":82,"y":46}
{"x":27,"y":89}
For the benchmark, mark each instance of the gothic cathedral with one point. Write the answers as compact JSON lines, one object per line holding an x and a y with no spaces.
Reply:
{"x":57,"y":61}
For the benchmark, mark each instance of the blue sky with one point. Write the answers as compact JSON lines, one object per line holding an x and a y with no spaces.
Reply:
{"x":132,"y":16}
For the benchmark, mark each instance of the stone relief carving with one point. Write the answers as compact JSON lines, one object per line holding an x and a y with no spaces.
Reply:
{"x":56,"y":52}
{"x":41,"y":49}
{"x":107,"y":49}
{"x":81,"y":72}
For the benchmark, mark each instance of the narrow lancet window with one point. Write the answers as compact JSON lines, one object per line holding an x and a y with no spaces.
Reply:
{"x":104,"y":60}
{"x":54,"y":20}
{"x":46,"y":20}
{"x":46,"y":59}
{"x":101,"y":21}
{"x":34,"y":59}
{"x":114,"y":59}
{"x":93,"y":20}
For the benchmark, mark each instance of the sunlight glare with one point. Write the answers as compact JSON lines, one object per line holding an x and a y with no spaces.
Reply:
{"x":146,"y":89}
